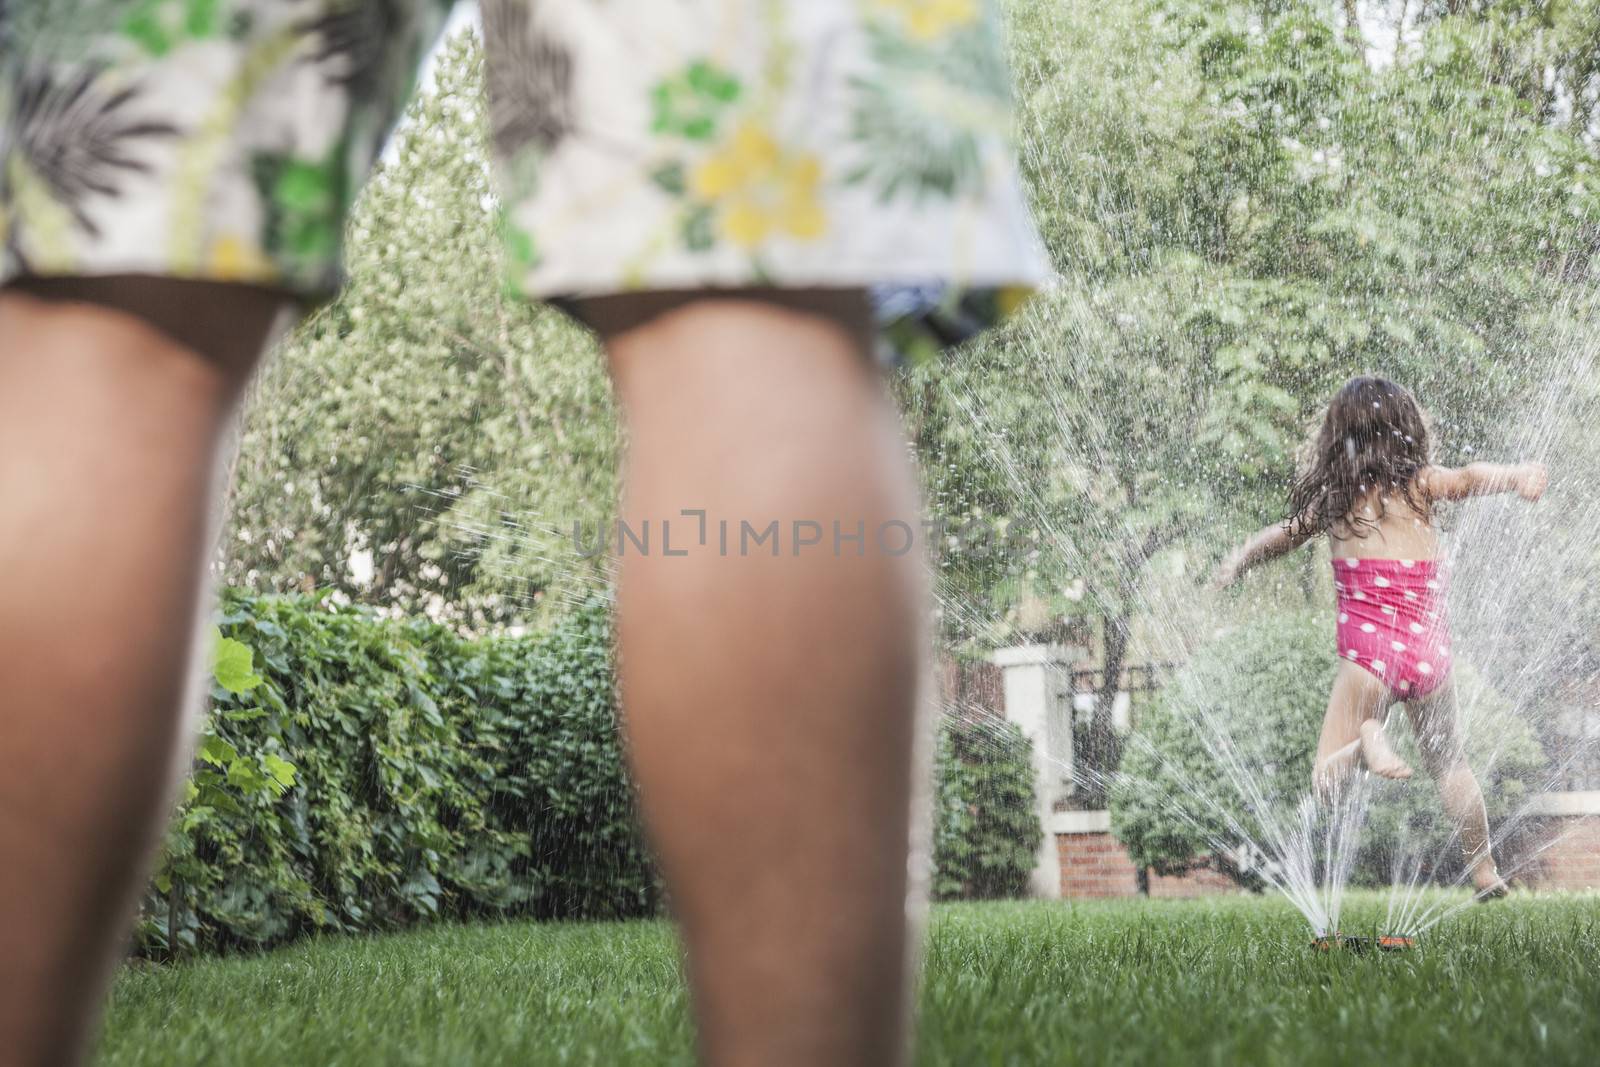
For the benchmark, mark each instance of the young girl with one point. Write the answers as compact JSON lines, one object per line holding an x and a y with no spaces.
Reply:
{"x":1370,"y":486}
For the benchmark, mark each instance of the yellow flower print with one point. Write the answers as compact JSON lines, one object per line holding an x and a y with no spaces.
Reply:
{"x":928,"y":20}
{"x":759,"y":190}
{"x":1010,"y":298}
{"x":237,"y":259}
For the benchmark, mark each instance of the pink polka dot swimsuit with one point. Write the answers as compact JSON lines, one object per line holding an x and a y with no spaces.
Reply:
{"x":1393,"y":622}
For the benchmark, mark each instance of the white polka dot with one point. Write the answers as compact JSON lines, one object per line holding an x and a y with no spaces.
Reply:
{"x":1424,"y":668}
{"x":1381,"y":582}
{"x":1360,"y":595}
{"x":1398,"y":646}
{"x":1405,"y":686}
{"x":1351,"y":653}
{"x":1378,"y":666}
{"x":1387,"y":610}
{"x":1410,"y":595}
{"x":1416,"y":627}
{"x":1432,"y":584}
{"x":1408,"y":563}
{"x":1352,"y":563}
{"x":1343,"y":618}
{"x":1368,"y":628}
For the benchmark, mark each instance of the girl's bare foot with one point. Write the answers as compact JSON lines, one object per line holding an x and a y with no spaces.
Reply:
{"x":1487,"y":881}
{"x":1378,"y":756}
{"x":1498,"y":890}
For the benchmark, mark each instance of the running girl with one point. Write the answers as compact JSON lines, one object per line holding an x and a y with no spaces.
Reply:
{"x":1370,"y":485}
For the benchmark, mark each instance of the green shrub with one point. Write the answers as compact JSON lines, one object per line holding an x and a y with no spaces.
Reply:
{"x":1253,"y":700}
{"x":356,"y":773}
{"x":361,"y":774}
{"x":985,"y":826}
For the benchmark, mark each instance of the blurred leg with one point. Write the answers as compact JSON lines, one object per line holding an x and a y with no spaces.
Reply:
{"x":1357,"y":698}
{"x":769,"y":698}
{"x":1435,"y":721}
{"x":109,"y":429}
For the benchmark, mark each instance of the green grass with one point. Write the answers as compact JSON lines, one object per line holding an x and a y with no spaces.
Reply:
{"x":1224,"y":981}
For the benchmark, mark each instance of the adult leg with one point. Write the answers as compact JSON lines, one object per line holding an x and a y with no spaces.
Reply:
{"x":1435,"y":720}
{"x":1355,"y":706}
{"x":114,"y":397}
{"x":769,"y":695}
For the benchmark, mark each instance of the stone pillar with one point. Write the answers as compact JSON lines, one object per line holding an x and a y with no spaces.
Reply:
{"x":1035,"y":678}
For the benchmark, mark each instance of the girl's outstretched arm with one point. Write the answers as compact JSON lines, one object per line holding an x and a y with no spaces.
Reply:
{"x":1269,"y":543}
{"x":1527,"y":480}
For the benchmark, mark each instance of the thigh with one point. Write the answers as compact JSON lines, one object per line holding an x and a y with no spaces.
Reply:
{"x":1356,"y":697}
{"x":617,"y":315}
{"x":747,"y":400}
{"x":111,"y":330}
{"x":1436,"y":724}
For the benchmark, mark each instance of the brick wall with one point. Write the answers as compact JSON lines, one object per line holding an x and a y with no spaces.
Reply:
{"x":1571,"y":860}
{"x":1199,"y":883}
{"x":1095,"y":866}
{"x":969,"y":689}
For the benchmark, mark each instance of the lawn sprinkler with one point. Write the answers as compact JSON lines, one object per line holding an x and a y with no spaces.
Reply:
{"x":1350,"y":943}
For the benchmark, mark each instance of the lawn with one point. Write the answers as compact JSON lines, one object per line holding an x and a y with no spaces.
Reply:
{"x":1226,"y":980}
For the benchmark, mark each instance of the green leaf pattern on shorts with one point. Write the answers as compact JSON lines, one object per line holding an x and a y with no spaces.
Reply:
{"x":933,"y":92}
{"x":921,"y":118}
{"x":190,"y":112}
{"x":160,"y":25}
{"x":690,"y":102}
{"x":639,"y":144}
{"x":306,"y":206}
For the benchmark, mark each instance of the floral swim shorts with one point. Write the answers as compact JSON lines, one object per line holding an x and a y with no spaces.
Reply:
{"x":639,"y":144}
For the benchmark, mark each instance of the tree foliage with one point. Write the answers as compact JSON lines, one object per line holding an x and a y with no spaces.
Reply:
{"x":1243,"y":211}
{"x":360,"y":774}
{"x":427,"y":417}
{"x":986,"y":827}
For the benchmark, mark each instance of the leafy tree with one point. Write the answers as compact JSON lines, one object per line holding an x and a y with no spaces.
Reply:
{"x":427,"y":416}
{"x":1242,"y":213}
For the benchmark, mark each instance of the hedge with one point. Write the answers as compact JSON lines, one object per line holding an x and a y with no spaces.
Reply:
{"x":375,"y":774}
{"x":1255,"y":697}
{"x":986,"y":830}
{"x":356,"y":773}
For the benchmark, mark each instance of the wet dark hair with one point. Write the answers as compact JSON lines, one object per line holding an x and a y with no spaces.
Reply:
{"x":1374,"y":436}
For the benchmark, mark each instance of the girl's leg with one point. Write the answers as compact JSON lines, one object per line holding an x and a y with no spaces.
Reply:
{"x":1435,"y":721}
{"x":1376,"y":753}
{"x":1357,"y":699}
